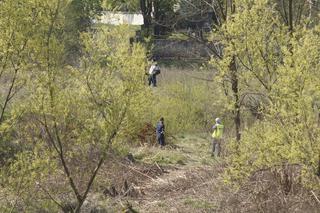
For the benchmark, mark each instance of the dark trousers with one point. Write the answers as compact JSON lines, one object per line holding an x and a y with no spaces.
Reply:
{"x":160,"y":139}
{"x":152,"y":79}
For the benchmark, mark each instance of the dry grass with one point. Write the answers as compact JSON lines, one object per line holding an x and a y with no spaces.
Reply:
{"x":198,"y":187}
{"x":153,"y":184}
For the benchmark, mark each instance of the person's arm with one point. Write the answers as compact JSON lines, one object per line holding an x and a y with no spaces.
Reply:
{"x":161,"y":128}
{"x":214,"y":127}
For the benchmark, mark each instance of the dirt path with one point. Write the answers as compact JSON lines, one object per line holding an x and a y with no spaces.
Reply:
{"x":179,"y":178}
{"x":192,"y":182}
{"x":182,"y":188}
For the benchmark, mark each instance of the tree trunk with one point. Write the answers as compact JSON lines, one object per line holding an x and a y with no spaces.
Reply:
{"x":310,"y":8}
{"x":157,"y":17}
{"x":143,"y":9}
{"x":291,"y":15}
{"x":235,"y":90}
{"x":146,"y":10}
{"x":318,"y":172}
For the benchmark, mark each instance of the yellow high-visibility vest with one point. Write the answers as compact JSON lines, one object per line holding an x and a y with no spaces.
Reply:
{"x":218,"y":132}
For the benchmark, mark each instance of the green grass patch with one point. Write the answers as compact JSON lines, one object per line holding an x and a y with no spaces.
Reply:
{"x":161,"y":156}
{"x":179,"y":36}
{"x":199,"y":204}
{"x":192,"y":150}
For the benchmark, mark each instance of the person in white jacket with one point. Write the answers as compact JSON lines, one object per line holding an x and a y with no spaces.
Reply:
{"x":153,"y":72}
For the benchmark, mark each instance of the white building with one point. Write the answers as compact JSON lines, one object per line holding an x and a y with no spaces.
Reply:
{"x":118,"y":18}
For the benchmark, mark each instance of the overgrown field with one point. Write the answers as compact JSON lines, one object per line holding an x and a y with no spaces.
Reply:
{"x":77,"y":118}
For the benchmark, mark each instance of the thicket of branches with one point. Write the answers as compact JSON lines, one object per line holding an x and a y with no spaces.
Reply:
{"x":59,"y":123}
{"x":70,"y":94}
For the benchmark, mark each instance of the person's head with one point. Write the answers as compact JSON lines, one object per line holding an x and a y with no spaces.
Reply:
{"x":162,"y":119}
{"x":218,"y":120}
{"x":155,"y":61}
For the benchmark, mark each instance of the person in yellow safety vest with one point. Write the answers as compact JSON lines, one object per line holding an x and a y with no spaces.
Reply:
{"x":217,"y":136}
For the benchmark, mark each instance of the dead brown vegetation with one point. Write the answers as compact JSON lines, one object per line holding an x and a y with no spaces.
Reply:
{"x":201,"y":189}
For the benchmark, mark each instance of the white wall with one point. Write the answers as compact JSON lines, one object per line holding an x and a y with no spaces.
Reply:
{"x":118,"y":18}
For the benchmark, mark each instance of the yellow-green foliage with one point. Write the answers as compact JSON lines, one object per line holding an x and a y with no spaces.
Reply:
{"x":283,"y":68}
{"x":187,"y":104}
{"x":23,"y":30}
{"x":114,"y":69}
{"x":253,"y":36}
{"x":70,"y":116}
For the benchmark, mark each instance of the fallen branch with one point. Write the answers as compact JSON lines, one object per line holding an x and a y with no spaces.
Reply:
{"x":315,"y":196}
{"x":135,"y":170}
{"x":159,"y":167}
